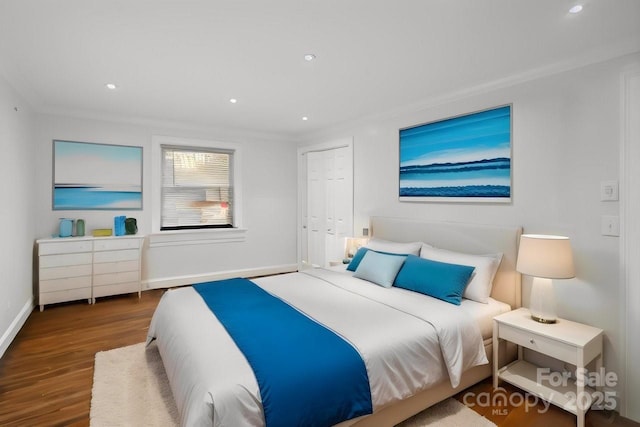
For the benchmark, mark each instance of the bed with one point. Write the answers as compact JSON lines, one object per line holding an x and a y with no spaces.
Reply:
{"x":417,"y":350}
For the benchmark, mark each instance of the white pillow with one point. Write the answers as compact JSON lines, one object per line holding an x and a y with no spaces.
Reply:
{"x":481,"y":281}
{"x":378,"y":268}
{"x":381,"y":245}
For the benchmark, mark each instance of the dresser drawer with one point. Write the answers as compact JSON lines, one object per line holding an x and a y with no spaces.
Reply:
{"x":66,"y":295}
{"x":49,"y":261}
{"x":108,"y":279}
{"x":54,"y":285}
{"x":550,"y":347}
{"x":65,"y":272}
{"x":116,"y":256}
{"x":116,"y":244}
{"x":116,"y":267}
{"x":65,"y":247}
{"x":116,"y":289}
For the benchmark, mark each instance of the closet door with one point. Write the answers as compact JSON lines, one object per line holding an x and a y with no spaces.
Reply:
{"x":316,"y":215}
{"x":339,"y":202}
{"x":329,"y":205}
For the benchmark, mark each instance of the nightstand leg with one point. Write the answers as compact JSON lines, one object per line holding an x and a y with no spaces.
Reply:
{"x":601,"y":376}
{"x":581,"y":402}
{"x":496,"y":345}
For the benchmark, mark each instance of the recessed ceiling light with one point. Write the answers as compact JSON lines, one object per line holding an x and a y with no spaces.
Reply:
{"x":309,"y":57}
{"x":233,"y":100}
{"x":305,"y":118}
{"x":111,"y":86}
{"x":576,"y":9}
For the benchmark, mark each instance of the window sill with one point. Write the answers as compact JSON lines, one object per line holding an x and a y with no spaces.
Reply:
{"x":196,"y":237}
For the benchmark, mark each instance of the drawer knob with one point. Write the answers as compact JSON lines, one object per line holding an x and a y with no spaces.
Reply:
{"x":531,"y":340}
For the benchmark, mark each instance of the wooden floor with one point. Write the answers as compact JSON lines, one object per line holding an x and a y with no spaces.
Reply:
{"x":47,"y":373}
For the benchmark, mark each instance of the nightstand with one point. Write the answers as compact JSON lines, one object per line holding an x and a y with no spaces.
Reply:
{"x":564,"y":340}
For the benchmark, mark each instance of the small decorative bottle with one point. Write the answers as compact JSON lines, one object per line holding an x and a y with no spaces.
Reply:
{"x":80,"y":227}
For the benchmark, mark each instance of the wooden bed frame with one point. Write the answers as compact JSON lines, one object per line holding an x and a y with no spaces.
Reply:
{"x":461,"y":237}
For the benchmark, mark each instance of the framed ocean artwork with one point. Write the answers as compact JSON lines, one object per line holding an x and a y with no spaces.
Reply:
{"x":460,"y":159}
{"x":89,"y":176}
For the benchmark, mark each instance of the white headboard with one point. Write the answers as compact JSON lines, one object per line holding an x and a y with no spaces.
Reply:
{"x":461,"y":237}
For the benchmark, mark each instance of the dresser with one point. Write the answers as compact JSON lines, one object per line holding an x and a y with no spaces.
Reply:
{"x":75,"y":268}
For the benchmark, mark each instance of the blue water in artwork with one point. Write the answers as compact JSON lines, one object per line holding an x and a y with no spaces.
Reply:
{"x":95,"y":198}
{"x":465,"y":191}
{"x":483,"y":178}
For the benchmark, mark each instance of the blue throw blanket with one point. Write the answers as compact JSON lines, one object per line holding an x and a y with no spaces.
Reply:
{"x":308,"y":375}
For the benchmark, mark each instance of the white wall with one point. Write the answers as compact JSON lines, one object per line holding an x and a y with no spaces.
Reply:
{"x":566,"y":137}
{"x":269,"y":199}
{"x":17,"y":213}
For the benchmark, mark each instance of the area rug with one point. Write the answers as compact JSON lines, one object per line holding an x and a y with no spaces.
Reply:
{"x":130,"y":388}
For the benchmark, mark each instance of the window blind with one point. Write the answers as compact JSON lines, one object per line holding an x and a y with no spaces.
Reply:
{"x":197,"y":190}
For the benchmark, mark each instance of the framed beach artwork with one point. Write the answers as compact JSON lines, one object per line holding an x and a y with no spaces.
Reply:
{"x":459,"y":159}
{"x":90,"y":176}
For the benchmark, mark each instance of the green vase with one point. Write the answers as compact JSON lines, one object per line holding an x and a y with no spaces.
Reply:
{"x":80,"y":227}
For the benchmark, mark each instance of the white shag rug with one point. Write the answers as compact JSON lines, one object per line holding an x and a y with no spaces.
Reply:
{"x":130,"y":388}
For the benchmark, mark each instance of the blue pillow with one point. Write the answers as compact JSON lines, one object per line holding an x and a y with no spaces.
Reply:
{"x":355,"y":261}
{"x":437,"y":279}
{"x":357,"y":258}
{"x":379,"y":268}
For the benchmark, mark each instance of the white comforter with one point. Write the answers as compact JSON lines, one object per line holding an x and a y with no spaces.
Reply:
{"x":408,"y":342}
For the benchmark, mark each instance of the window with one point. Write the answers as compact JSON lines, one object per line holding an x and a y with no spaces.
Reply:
{"x":197,"y":188}
{"x":182,"y":211}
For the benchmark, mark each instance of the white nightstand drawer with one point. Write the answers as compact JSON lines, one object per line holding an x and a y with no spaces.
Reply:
{"x":539,"y":343}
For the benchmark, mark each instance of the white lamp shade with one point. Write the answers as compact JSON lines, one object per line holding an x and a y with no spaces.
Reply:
{"x":545,"y":256}
{"x":352,"y":244}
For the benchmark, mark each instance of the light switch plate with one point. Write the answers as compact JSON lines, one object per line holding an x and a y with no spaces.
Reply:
{"x":610,"y":225}
{"x":608,"y":191}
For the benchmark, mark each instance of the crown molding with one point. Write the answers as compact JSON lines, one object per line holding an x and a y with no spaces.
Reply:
{"x":592,"y":58}
{"x":158,"y":125}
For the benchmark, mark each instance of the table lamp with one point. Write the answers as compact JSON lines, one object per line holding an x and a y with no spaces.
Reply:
{"x":352,"y":244}
{"x":544,"y":258}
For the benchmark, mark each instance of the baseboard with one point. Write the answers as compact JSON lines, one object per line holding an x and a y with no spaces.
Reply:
{"x":15,"y":326}
{"x":170,"y":282}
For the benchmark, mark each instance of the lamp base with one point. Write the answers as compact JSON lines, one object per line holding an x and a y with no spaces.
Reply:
{"x":543,"y":302}
{"x":543,"y":320}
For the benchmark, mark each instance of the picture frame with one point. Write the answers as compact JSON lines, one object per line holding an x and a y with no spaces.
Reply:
{"x":93,"y":176}
{"x":465,"y":158}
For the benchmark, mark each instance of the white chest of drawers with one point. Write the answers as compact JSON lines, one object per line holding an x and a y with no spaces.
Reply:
{"x":88,"y":267}
{"x":116,"y":266}
{"x":65,"y":270}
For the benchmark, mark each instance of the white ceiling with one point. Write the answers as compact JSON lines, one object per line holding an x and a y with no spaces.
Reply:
{"x":182,"y":60}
